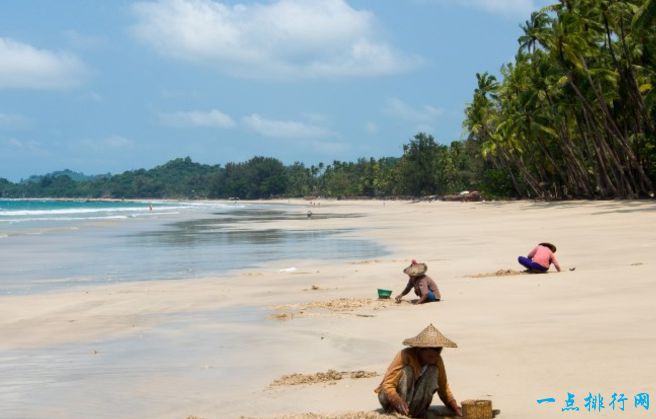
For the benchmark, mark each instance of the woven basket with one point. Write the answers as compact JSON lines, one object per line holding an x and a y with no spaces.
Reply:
{"x":477,"y":409}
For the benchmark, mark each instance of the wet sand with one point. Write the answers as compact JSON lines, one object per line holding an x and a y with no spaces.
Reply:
{"x":211,"y":347}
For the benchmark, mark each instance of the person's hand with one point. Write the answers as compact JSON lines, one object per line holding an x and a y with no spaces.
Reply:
{"x":456,"y":408}
{"x":402,"y":407}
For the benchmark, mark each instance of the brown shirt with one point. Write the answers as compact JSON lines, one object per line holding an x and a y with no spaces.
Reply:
{"x":422,"y":285}
{"x":409,"y":356}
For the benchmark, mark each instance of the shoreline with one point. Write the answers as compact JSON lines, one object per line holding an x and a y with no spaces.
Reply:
{"x":179,"y":244}
{"x":562,"y":320}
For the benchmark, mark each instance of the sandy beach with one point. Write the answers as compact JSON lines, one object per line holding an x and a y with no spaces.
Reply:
{"x":521,"y":337}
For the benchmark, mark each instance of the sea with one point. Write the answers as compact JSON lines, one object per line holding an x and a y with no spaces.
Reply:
{"x":48,"y":245}
{"x":51,"y":245}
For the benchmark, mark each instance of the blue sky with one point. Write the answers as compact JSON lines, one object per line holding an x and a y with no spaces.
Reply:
{"x":108,"y":86}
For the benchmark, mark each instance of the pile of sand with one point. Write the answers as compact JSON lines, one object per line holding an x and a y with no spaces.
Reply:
{"x":281,"y":316}
{"x":500,"y":272}
{"x":372,"y":261}
{"x":338,"y":306}
{"x":320,"y":377}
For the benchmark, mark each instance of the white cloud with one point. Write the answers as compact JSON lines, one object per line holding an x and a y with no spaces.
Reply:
{"x":25,"y":146}
{"x":300,"y":134}
{"x":370,"y":127}
{"x":116,"y":141}
{"x":283,"y":129}
{"x":513,"y":8}
{"x":13,"y":142}
{"x":113,"y":142}
{"x":24,"y":67}
{"x":423,"y":115}
{"x":504,"y":7}
{"x":213,"y":118}
{"x":279,"y":39}
{"x":10,"y":120}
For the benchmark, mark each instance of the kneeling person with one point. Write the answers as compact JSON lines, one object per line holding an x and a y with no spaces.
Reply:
{"x":424,"y":286}
{"x":415,"y":374}
{"x":540,"y":258}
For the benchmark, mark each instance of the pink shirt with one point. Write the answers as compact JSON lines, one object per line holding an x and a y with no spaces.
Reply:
{"x":544,"y":256}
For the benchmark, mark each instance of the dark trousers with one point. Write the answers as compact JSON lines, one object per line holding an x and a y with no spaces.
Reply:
{"x":530,"y":265}
{"x":416,"y":391}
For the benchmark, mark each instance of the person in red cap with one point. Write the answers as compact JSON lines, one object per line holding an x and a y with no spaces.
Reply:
{"x":424,"y":286}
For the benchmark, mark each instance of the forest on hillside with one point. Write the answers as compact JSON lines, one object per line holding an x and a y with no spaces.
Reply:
{"x":426,"y":168}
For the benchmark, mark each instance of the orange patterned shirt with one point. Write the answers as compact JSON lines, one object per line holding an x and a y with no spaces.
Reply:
{"x":409,"y":356}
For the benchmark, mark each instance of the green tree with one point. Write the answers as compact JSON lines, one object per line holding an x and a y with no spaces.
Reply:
{"x":422,"y":168}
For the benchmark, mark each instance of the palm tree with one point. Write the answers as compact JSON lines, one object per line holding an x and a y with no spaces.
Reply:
{"x":574,"y":115}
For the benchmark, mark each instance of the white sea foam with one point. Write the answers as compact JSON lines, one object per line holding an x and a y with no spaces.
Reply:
{"x":159,"y":207}
{"x":23,"y":220}
{"x":79,"y":211}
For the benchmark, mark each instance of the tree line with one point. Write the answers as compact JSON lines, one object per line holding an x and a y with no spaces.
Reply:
{"x":425,"y":168}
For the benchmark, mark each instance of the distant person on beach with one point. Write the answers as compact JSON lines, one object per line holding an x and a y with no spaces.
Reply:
{"x":540,"y":258}
{"x":415,"y":374}
{"x":424,"y":286}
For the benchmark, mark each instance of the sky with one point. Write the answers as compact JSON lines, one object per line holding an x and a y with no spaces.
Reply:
{"x":101,"y":86}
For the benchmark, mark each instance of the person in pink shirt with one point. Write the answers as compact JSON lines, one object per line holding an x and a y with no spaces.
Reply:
{"x":540,"y":258}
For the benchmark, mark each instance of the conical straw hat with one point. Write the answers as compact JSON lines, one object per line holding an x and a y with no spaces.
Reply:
{"x":415,"y":269}
{"x":430,"y":337}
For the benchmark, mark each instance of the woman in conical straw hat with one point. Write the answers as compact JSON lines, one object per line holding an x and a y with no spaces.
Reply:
{"x":424,"y":286}
{"x":415,"y":374}
{"x":540,"y":258}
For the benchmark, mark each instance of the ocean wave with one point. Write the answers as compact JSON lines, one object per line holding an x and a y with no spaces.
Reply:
{"x":24,"y":220}
{"x":24,"y":212}
{"x":106,"y":217}
{"x":158,"y":207}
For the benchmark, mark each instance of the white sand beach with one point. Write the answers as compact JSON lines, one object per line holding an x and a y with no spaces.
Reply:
{"x":521,"y":337}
